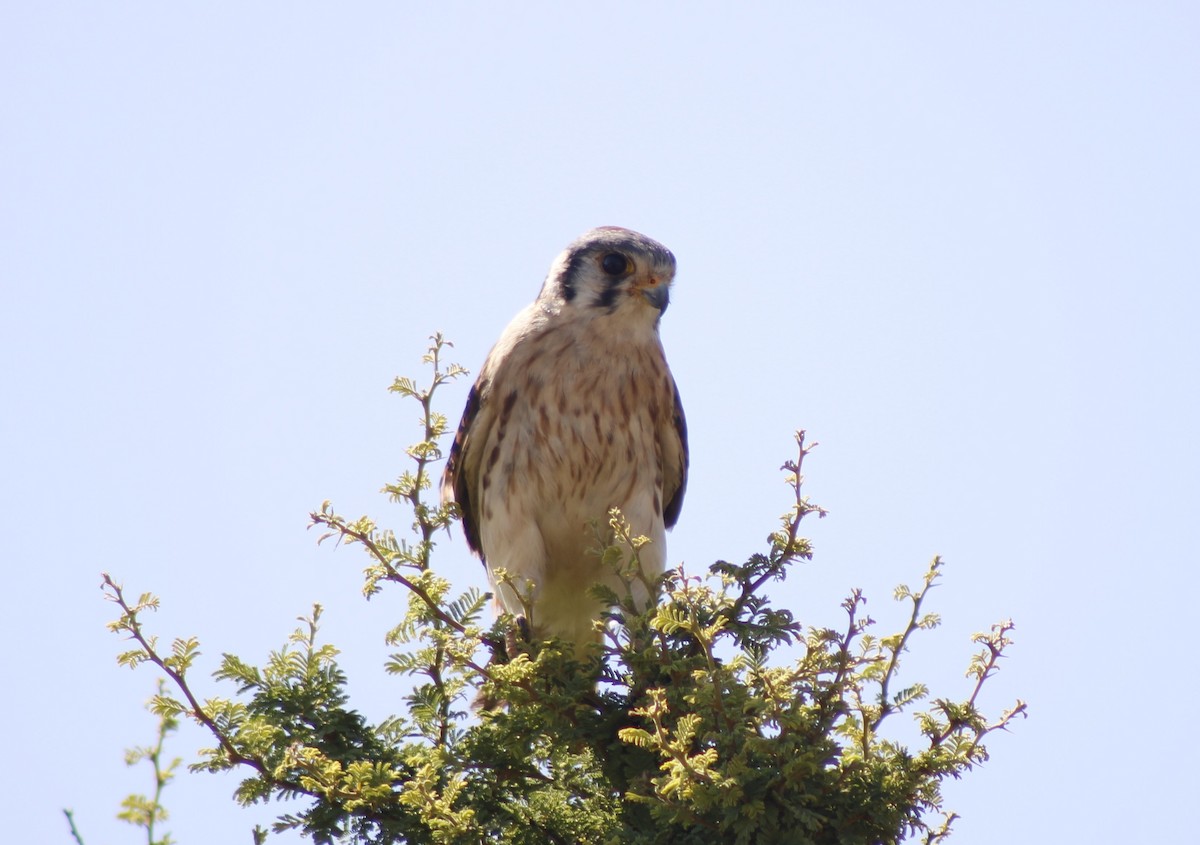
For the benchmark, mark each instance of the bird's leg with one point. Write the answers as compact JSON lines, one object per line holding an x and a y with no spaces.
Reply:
{"x":519,"y":633}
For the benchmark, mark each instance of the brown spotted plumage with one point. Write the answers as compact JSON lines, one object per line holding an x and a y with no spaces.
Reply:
{"x":574,"y":412}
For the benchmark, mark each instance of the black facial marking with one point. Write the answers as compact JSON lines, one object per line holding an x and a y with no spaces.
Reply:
{"x":608,"y":298}
{"x":570,"y":273}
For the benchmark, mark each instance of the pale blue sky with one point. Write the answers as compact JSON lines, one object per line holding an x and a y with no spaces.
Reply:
{"x":957,"y":244}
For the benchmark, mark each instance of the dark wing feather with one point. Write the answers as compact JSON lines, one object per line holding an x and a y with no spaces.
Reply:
{"x":673,"y":488}
{"x":456,"y":483}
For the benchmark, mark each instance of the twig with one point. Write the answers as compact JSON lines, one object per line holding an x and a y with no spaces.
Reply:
{"x":166,"y":725}
{"x":134,"y":627}
{"x":393,"y":574}
{"x":885,"y":706}
{"x":74,"y":831}
{"x":837,"y":685}
{"x":803,"y":507}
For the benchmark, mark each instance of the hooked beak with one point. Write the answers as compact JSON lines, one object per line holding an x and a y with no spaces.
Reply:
{"x":657,"y":293}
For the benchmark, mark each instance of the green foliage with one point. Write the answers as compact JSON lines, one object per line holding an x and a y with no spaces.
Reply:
{"x":144,"y":811}
{"x":711,"y":715}
{"x":140,"y":810}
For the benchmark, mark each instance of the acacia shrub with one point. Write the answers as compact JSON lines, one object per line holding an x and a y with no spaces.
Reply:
{"x":683,"y":725}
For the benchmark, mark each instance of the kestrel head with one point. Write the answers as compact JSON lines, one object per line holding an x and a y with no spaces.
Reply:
{"x":611,"y":270}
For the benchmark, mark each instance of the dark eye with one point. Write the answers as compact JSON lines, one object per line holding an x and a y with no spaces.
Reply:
{"x":614,"y":264}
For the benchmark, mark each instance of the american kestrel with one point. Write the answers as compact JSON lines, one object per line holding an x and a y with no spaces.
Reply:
{"x":574,"y":412}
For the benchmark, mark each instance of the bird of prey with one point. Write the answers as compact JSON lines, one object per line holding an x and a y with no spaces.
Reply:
{"x":574,"y":412}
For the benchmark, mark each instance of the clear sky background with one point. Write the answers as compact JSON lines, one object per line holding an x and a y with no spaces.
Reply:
{"x":956,"y":244}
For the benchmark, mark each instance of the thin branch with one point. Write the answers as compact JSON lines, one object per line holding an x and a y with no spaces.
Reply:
{"x":197,"y":712}
{"x":836,"y":686}
{"x":803,"y":508}
{"x":74,"y":831}
{"x":165,"y":725}
{"x":714,"y":670}
{"x":800,"y":510}
{"x":995,"y":644}
{"x":393,"y":574}
{"x":885,"y":706}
